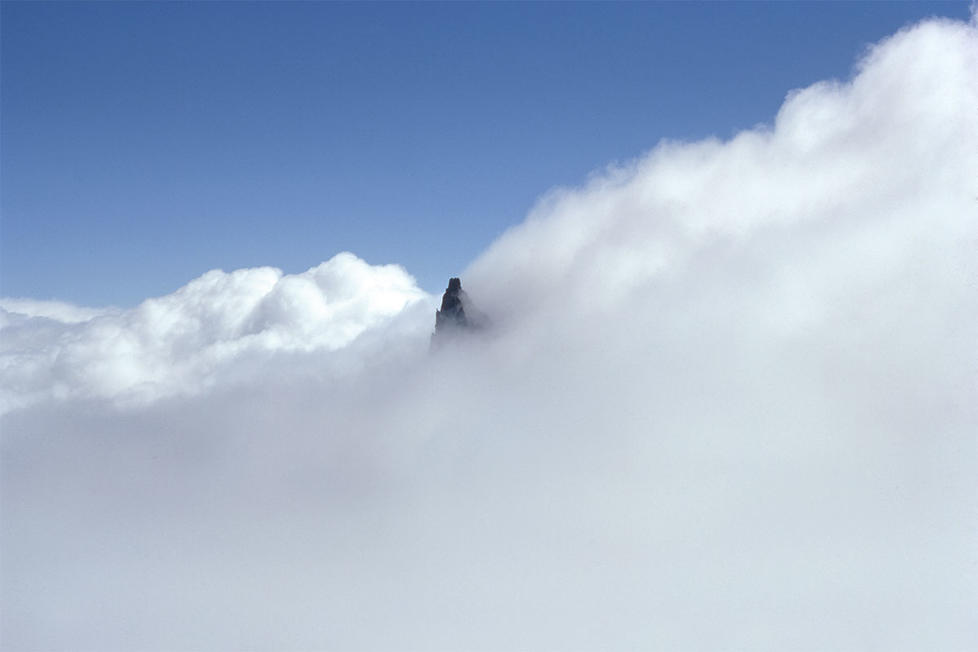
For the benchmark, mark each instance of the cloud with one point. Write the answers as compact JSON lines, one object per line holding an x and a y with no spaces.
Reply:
{"x":58,"y":311}
{"x":201,"y":335}
{"x":726,"y":402}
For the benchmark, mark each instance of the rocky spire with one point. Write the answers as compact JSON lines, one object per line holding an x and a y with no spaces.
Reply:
{"x":453,"y":319}
{"x":452,"y":313}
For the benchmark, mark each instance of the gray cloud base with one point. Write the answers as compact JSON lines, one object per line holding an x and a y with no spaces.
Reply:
{"x":727,"y":402}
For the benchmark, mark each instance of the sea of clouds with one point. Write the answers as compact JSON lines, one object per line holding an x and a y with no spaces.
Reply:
{"x":728,"y":401}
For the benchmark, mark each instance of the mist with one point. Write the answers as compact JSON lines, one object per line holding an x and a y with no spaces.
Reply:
{"x":727,"y":401}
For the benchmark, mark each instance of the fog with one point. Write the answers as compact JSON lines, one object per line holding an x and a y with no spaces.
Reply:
{"x":727,"y":401}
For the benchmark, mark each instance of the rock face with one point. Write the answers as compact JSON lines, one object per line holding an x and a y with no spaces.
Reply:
{"x":452,"y":313}
{"x":456,"y":315}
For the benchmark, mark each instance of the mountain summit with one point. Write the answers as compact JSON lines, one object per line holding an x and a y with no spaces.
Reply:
{"x":452,"y":313}
{"x":457,"y":314}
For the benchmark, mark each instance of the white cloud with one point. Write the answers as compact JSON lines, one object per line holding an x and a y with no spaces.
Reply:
{"x":59,"y":311}
{"x":199,"y":336}
{"x":728,"y":402}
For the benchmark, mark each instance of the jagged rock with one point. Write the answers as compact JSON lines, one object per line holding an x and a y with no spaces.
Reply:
{"x":457,"y":314}
{"x":452,"y":313}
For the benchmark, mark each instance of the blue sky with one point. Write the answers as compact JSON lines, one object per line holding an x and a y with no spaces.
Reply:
{"x":144,"y":144}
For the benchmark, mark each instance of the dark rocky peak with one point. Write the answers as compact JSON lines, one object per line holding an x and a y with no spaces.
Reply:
{"x":457,"y":315}
{"x":452,"y":313}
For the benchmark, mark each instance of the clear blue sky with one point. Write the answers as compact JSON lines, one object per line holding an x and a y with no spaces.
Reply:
{"x":143,"y":144}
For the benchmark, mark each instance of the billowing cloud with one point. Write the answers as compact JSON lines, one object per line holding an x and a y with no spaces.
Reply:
{"x":727,"y":402}
{"x":201,"y":335}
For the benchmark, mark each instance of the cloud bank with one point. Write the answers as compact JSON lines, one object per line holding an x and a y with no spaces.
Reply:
{"x":727,"y":402}
{"x":204,"y":334}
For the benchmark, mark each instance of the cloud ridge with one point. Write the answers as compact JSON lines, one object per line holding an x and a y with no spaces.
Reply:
{"x":187,"y":341}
